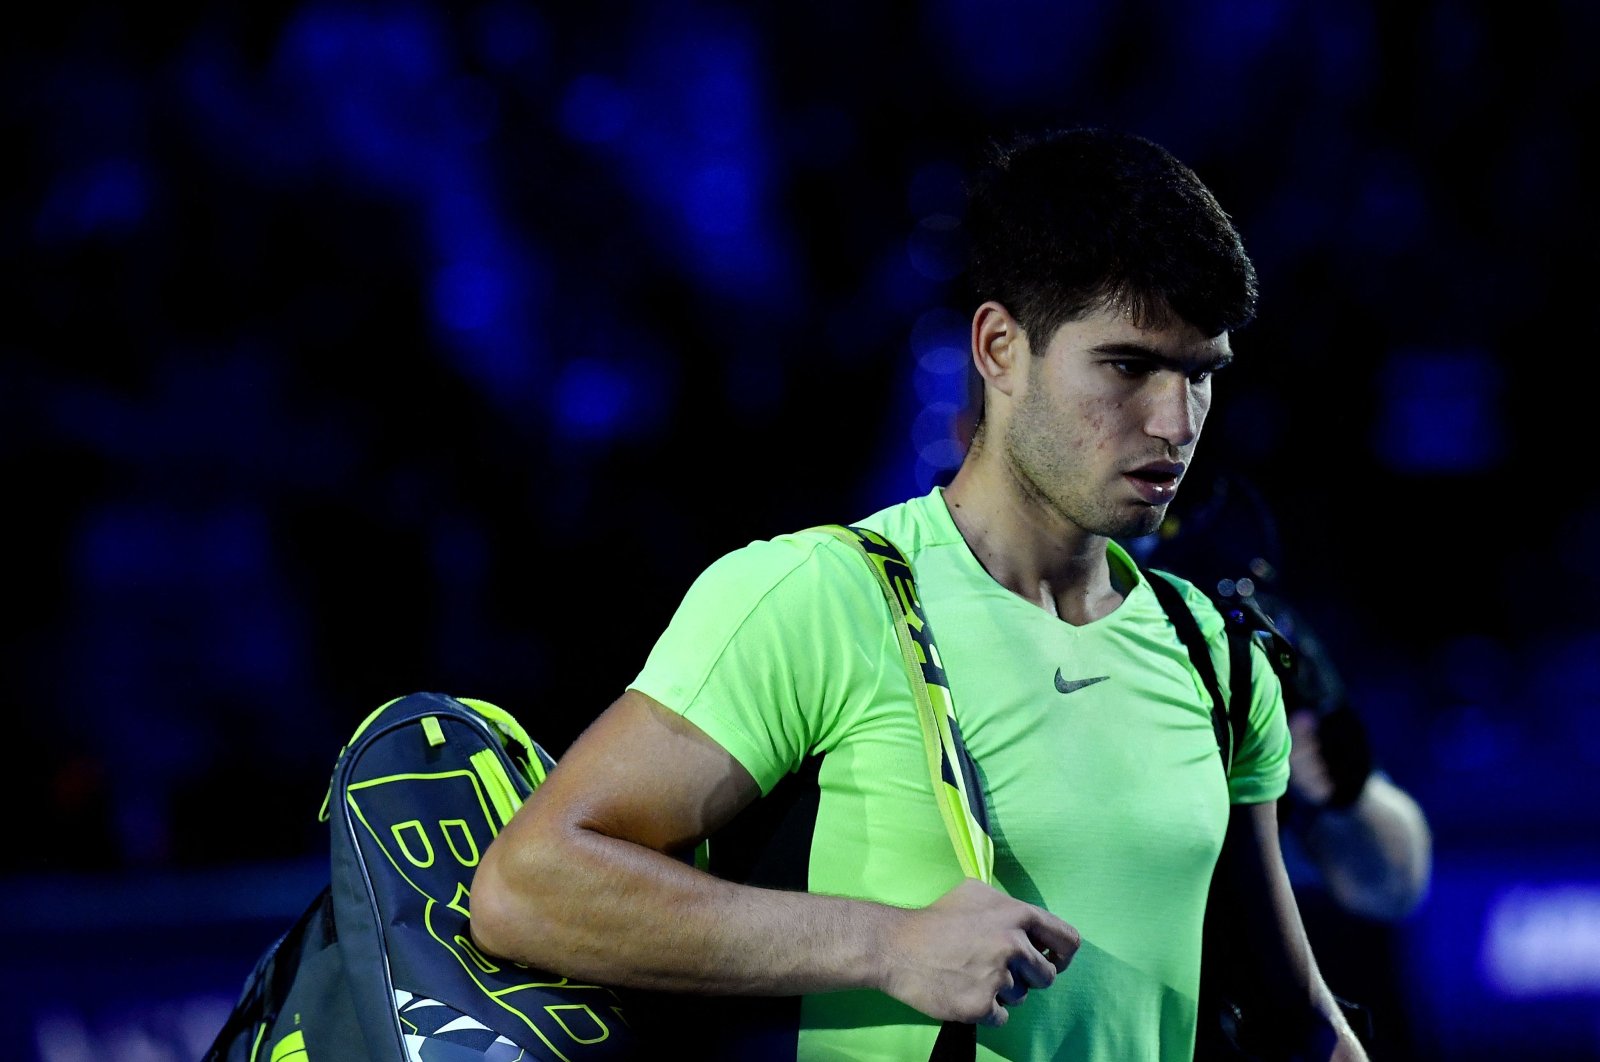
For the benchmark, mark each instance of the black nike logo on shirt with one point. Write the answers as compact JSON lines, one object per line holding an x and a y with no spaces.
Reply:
{"x":1074,"y":685}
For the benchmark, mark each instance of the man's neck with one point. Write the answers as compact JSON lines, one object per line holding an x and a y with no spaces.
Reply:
{"x":1030,"y":549}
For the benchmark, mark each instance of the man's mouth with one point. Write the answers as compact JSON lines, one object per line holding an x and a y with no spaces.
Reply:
{"x":1159,"y":472}
{"x":1157,"y":482}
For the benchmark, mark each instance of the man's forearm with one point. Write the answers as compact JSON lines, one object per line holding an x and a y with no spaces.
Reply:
{"x":583,"y":882}
{"x":628,"y":916}
{"x":597,"y":908}
{"x":1303,"y":1011}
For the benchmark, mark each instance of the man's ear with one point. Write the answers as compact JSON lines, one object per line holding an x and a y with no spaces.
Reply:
{"x":999,"y":345}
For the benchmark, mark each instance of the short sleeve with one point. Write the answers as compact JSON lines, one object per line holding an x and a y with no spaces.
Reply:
{"x":768,"y":649}
{"x":1260,"y":770}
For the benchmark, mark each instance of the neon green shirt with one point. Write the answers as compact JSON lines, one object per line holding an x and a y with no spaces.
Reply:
{"x":1105,"y":802}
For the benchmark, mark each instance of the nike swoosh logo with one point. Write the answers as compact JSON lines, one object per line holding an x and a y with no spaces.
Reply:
{"x":1076,"y":684}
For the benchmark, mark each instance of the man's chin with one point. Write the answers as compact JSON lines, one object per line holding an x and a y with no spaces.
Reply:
{"x":1138,"y":524}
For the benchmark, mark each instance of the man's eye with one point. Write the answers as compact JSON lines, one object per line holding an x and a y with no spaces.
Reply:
{"x":1137,"y":369}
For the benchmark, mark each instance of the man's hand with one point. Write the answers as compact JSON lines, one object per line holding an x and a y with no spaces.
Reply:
{"x":974,"y":952}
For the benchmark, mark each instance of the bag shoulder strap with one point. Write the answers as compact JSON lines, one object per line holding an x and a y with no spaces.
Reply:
{"x":954,"y":776}
{"x":1230,"y":720}
{"x":1188,"y":627}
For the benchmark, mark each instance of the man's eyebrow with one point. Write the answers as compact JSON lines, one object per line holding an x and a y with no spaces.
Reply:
{"x":1161,"y":358}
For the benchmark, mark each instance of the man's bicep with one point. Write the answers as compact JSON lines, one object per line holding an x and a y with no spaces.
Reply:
{"x":1260,"y":895}
{"x":642,"y":773}
{"x":1256,"y":855}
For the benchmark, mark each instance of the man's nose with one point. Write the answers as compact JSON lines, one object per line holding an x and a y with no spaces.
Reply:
{"x":1177,"y":411}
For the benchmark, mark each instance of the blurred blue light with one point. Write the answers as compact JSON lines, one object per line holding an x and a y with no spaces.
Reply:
{"x":1473,"y":739}
{"x":595,"y":109}
{"x":124,"y":546}
{"x":1237,"y":28}
{"x":720,"y":200}
{"x":720,"y":97}
{"x":1043,"y":61}
{"x":697,"y":158}
{"x":946,"y":387}
{"x":934,"y":247}
{"x":508,"y":35}
{"x":481,"y":304}
{"x":1440,"y":412}
{"x":935,"y":333}
{"x":939,"y":341}
{"x":375,"y":79}
{"x":1503,"y":953}
{"x":1477,"y":669}
{"x":399,"y":43}
{"x":1544,"y":941}
{"x":933,"y":434}
{"x":111,"y":196}
{"x":593,"y":398}
{"x":469,"y":296}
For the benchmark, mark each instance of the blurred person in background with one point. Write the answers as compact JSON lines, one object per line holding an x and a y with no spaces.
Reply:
{"x":1358,"y":847}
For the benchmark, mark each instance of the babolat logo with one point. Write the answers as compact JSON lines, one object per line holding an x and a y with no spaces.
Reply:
{"x":1064,"y":685}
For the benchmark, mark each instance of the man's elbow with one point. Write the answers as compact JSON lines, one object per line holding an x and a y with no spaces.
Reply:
{"x":494,"y":917}
{"x":516,"y":893}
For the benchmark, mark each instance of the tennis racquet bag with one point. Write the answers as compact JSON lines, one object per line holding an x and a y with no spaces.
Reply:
{"x":381,"y":966}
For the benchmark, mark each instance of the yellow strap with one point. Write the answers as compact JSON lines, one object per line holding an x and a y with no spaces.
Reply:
{"x":512,"y":729}
{"x":496,"y":783}
{"x":941,"y":736}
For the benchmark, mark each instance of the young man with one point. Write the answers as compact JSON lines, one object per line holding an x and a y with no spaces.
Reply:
{"x":1107,"y":281}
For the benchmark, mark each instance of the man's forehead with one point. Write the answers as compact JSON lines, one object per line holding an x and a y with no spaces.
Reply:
{"x":1174,"y":338}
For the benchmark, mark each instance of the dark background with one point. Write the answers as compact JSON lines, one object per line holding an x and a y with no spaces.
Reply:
{"x":354,"y":349}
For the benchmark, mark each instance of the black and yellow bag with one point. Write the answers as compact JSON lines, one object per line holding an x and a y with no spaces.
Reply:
{"x":381,"y":965}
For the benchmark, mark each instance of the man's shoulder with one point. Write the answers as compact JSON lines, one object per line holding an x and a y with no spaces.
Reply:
{"x":799,"y":560}
{"x":798,"y":565}
{"x":915,"y":524}
{"x":1201,"y":605}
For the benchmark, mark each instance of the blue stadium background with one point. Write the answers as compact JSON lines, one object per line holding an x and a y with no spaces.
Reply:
{"x":353,"y":349}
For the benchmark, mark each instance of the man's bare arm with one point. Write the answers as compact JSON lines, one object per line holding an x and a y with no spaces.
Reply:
{"x":1262,"y":907}
{"x":591,"y":880}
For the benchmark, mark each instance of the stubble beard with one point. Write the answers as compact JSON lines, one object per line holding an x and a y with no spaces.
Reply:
{"x":1045,"y":473}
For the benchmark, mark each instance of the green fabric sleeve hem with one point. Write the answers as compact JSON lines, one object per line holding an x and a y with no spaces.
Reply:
{"x":723,"y":731}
